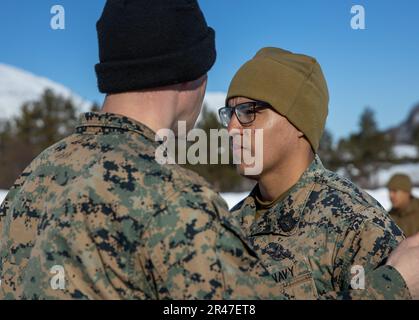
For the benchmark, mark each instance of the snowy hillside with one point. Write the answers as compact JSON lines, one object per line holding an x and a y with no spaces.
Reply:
{"x":405,"y":151}
{"x":381,"y":177}
{"x":2,"y":195}
{"x":215,"y":100}
{"x":18,"y":86}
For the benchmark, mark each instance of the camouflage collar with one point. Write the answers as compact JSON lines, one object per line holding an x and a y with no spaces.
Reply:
{"x":284,"y":217}
{"x":116,"y":121}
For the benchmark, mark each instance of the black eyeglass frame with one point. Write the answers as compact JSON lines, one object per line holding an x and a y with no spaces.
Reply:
{"x":253,"y":104}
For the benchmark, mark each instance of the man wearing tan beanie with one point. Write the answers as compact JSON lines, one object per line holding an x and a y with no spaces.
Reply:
{"x":317,"y":233}
{"x":405,"y":210}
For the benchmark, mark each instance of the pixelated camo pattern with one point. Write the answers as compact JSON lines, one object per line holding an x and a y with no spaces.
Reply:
{"x":325,"y":226}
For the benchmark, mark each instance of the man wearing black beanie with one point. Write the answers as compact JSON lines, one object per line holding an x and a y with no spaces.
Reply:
{"x":107,"y":221}
{"x":95,"y":216}
{"x":152,"y":43}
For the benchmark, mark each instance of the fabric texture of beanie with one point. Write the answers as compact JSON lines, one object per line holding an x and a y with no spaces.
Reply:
{"x":146,"y":44}
{"x":293,"y":84}
{"x":400,"y":182}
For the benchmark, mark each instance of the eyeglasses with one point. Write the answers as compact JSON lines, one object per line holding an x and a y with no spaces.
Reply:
{"x":245,"y":112}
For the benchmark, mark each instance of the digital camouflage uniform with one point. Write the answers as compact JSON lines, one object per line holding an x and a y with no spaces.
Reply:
{"x":120,"y":225}
{"x":310,"y":240}
{"x":407,"y":219}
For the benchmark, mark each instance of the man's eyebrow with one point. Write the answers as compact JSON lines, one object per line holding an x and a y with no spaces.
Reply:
{"x":235,"y":101}
{"x":231,"y":103}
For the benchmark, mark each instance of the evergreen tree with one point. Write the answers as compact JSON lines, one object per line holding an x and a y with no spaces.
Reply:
{"x":95,"y":107}
{"x":327,"y":151}
{"x":40,"y":124}
{"x":367,"y":150}
{"x":46,"y":121}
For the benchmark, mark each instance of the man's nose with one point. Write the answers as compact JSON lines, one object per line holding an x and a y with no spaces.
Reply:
{"x":234,"y":123}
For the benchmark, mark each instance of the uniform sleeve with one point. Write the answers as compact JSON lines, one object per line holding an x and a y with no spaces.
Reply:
{"x":359,"y":264}
{"x":384,"y":283}
{"x":188,"y":254}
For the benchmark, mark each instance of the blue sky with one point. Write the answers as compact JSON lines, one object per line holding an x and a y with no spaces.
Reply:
{"x":376,"y":67}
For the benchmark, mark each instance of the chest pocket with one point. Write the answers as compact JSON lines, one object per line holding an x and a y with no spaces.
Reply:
{"x":294,"y":276}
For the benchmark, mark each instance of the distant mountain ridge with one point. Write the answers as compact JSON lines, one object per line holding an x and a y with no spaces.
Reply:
{"x":403,"y":133}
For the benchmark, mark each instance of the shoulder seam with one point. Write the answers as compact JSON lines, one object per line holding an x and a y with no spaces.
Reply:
{"x":322,"y":181}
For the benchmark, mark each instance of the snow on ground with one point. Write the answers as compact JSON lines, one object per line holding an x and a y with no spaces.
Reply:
{"x":405,"y":151}
{"x":411,"y":169}
{"x":232,"y":199}
{"x":2,"y":195}
{"x":382,"y":196}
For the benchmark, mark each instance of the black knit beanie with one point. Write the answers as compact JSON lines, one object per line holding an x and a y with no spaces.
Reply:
{"x":152,"y":43}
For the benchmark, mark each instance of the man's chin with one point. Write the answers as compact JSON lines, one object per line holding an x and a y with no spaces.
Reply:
{"x":244,"y":170}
